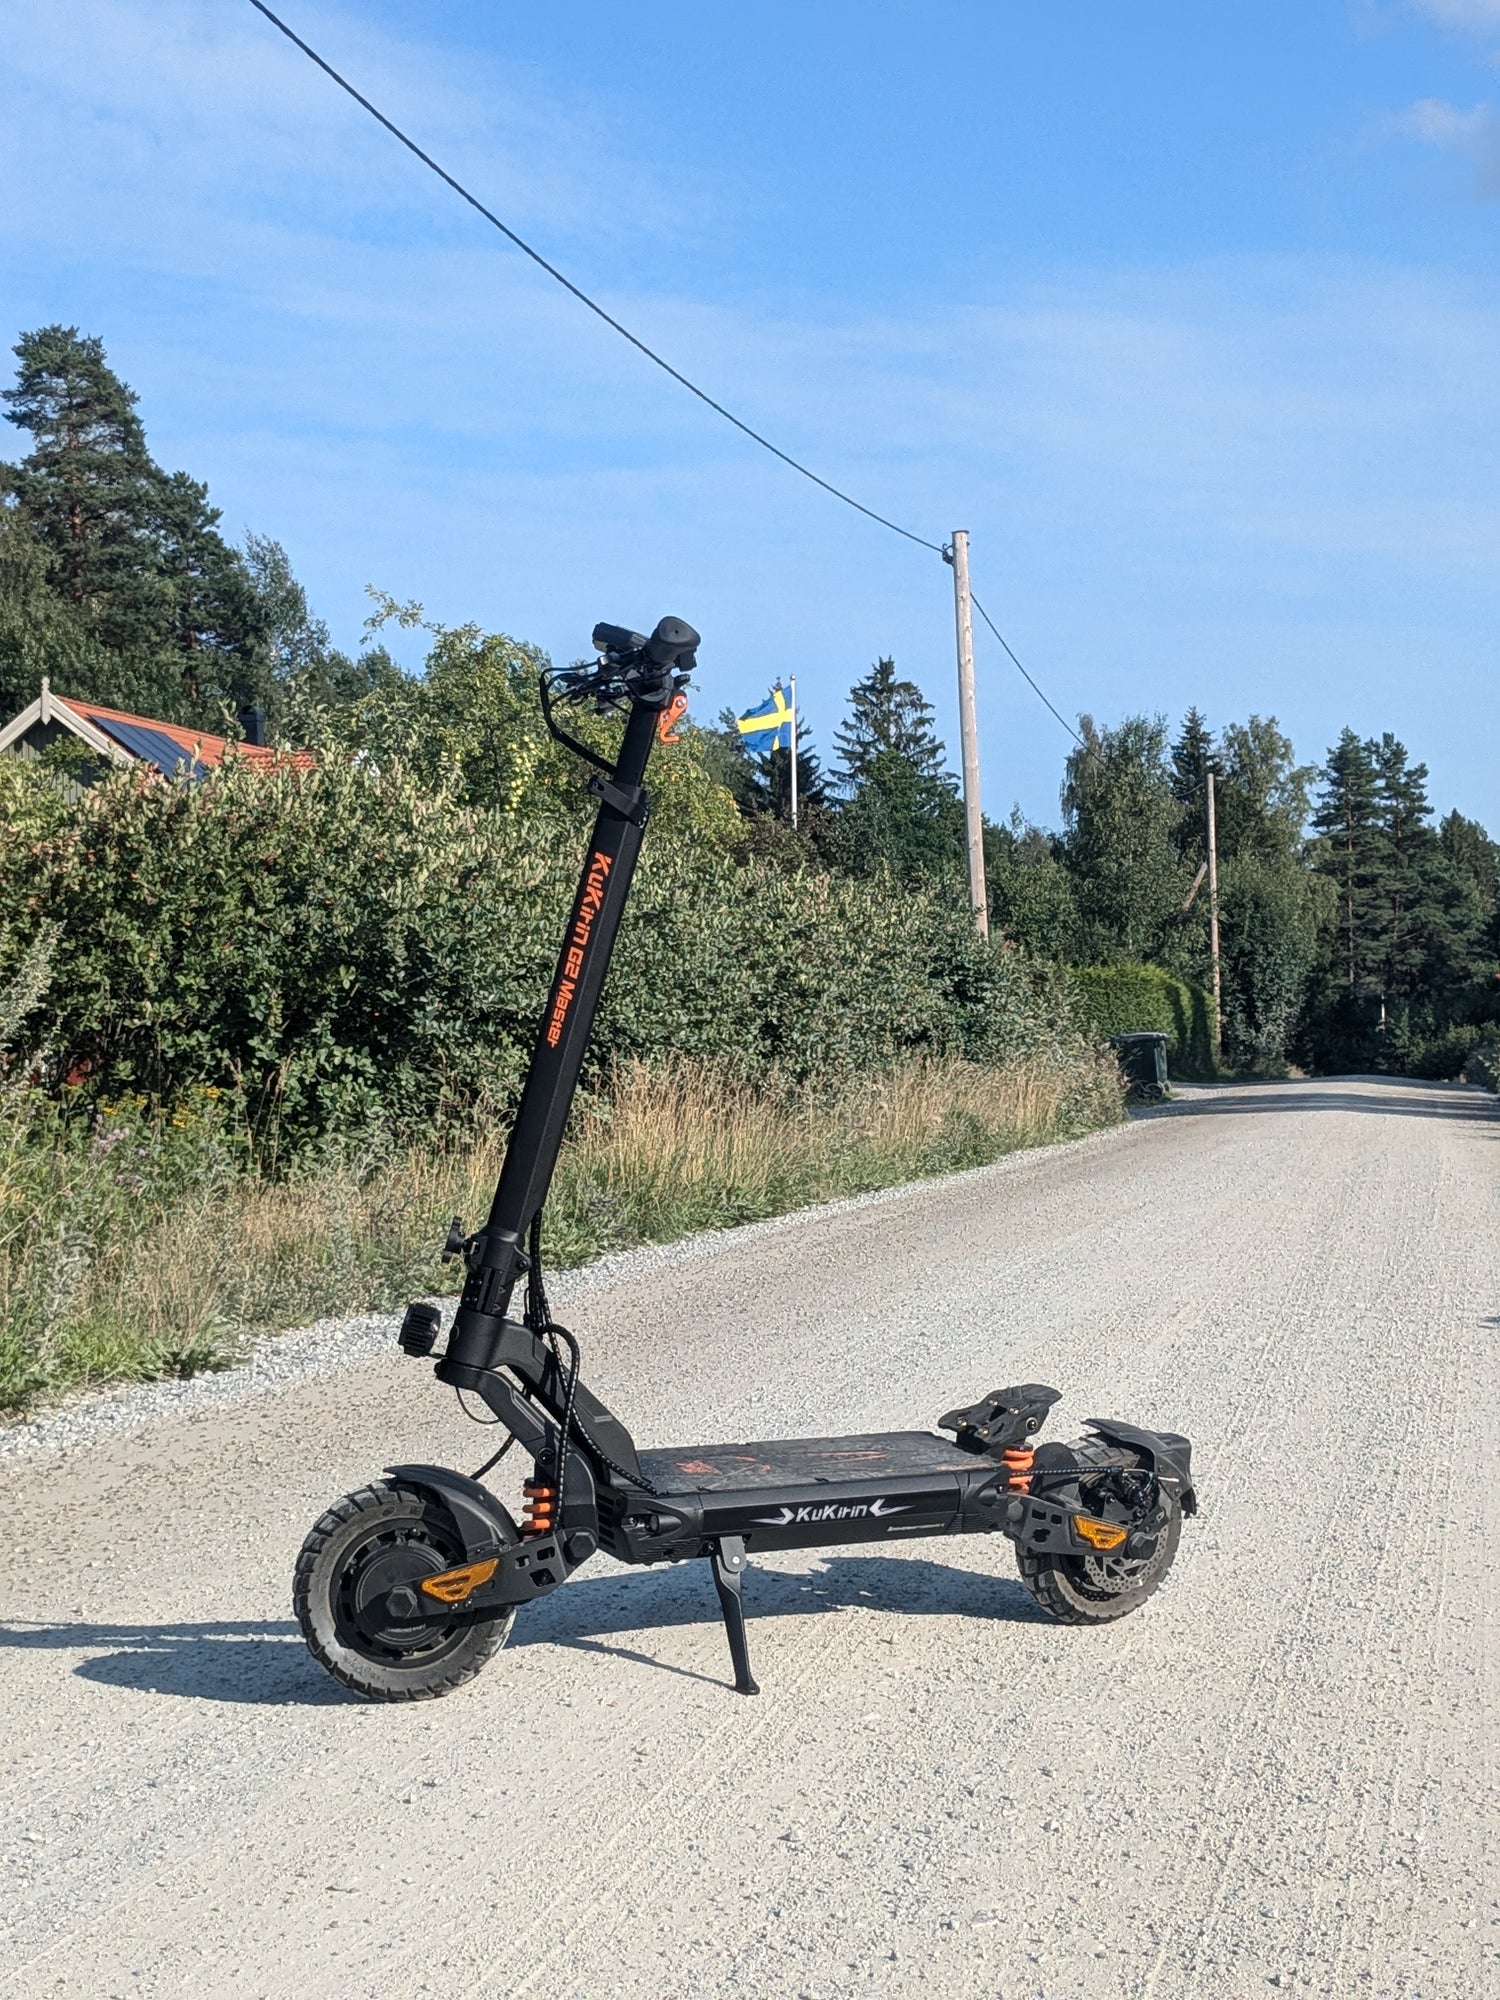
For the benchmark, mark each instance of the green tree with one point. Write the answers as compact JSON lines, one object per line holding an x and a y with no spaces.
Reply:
{"x":1473,"y":860}
{"x":1407,"y":959}
{"x":310,"y":679}
{"x":1120,"y":818}
{"x":769,"y":784}
{"x":1352,"y":855}
{"x":761,"y":780}
{"x":85,"y":487}
{"x":40,"y":632}
{"x":218,"y":629}
{"x":1263,"y":795}
{"x":135,"y":553}
{"x":1269,"y":901}
{"x":904,"y":822}
{"x":1409,"y":887}
{"x":1031,"y":894}
{"x":1194,"y":755}
{"x":1269,"y":929}
{"x":1473,"y":855}
{"x":887,"y":716}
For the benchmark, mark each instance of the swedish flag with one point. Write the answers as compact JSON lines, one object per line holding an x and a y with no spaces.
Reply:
{"x":769,"y":727}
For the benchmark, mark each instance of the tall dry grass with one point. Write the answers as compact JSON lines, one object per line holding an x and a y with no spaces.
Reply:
{"x":120,"y":1260}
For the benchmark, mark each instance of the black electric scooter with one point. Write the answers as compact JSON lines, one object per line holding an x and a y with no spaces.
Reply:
{"x":404,"y":1589}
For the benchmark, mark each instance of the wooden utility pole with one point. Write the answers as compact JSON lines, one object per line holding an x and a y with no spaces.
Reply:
{"x":968,"y":730}
{"x":1213,"y":915}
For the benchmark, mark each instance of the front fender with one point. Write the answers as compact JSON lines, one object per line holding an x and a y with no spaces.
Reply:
{"x":1169,"y":1455}
{"x":482,"y":1522}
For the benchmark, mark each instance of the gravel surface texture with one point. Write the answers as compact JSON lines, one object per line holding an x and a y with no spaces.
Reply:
{"x":1279,"y":1774}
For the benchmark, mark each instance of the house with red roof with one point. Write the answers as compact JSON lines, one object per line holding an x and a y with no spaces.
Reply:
{"x":120,"y":738}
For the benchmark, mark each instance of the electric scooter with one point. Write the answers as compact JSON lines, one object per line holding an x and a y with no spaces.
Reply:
{"x":405,"y":1589}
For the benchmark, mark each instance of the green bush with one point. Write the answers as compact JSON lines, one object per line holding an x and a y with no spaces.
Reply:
{"x":1437,"y":1052}
{"x":1482,"y":1065}
{"x":1128,"y":999}
{"x":358,"y":950}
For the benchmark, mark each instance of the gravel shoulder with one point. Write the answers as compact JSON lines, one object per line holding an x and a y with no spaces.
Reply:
{"x":1281,"y":1773}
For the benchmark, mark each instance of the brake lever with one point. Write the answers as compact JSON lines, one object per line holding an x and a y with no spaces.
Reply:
{"x":561,"y":735}
{"x":671,"y":715}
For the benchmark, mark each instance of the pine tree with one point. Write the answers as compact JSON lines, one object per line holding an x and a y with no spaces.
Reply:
{"x":136,"y":553}
{"x":40,"y":634}
{"x":902,"y":821}
{"x":218,"y":625}
{"x":769,"y":782}
{"x":1349,"y":819}
{"x":1411,"y":892}
{"x":1193,"y":756}
{"x":86,"y":486}
{"x":1473,"y":860}
{"x":1472,"y":854}
{"x":887,"y":715}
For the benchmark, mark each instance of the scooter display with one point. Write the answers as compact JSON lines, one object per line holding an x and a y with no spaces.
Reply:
{"x":405,"y":1589}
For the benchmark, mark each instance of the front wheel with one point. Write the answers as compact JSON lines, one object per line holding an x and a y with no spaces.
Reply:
{"x":1096,"y":1588}
{"x":369,"y":1544}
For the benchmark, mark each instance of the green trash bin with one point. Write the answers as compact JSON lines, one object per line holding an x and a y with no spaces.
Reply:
{"x":1143,"y":1059}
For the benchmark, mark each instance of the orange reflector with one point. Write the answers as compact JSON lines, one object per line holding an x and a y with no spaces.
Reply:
{"x":1098,"y":1534}
{"x":454,"y":1585}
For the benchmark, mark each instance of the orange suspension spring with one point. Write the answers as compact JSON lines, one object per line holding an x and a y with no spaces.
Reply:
{"x":1018,"y":1463}
{"x":541,"y":1508}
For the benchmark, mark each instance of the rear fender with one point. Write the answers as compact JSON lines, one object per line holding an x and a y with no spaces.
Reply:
{"x":1169,"y":1455}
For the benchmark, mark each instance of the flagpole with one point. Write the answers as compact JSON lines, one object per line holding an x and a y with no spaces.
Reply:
{"x":793,"y":679}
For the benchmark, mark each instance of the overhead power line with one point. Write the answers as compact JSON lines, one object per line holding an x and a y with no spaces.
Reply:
{"x":581,"y":295}
{"x":1021,"y":670}
{"x":624,"y":332}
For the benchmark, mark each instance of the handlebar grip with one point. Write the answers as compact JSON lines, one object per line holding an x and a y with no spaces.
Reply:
{"x":672,"y":638}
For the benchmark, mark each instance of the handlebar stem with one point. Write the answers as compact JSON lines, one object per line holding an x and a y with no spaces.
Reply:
{"x":496,"y":1257}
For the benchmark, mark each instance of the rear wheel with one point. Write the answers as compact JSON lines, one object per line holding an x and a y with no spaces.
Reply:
{"x":381,"y":1540}
{"x":1095,"y":1588}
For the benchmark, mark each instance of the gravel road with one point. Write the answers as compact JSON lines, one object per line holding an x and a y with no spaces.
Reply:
{"x":1280,"y":1774}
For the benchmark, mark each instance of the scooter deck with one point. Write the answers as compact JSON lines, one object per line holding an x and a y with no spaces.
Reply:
{"x":876,"y":1456}
{"x":797,"y":1493}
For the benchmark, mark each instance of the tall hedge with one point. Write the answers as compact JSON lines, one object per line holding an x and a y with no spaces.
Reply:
{"x":1126,"y":999}
{"x":359,"y":948}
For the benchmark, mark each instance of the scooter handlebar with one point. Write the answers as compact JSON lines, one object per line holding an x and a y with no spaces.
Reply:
{"x":673,"y":640}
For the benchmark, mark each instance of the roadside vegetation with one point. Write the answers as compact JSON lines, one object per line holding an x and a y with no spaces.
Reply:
{"x":261,"y":1036}
{"x":142,"y":1244}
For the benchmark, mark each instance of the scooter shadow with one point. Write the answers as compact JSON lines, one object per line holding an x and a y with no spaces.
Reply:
{"x":588,"y":1615}
{"x":262,"y":1662}
{"x":604,"y":1606}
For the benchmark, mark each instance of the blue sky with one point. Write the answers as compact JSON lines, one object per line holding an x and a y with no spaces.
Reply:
{"x":1191,"y":315}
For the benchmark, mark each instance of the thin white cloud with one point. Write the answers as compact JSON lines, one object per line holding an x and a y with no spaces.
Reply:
{"x":179,"y":104}
{"x":1472,"y":135}
{"x":1476,"y":15}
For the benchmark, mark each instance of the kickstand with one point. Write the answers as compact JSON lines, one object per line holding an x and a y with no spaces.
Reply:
{"x":728,"y":1558}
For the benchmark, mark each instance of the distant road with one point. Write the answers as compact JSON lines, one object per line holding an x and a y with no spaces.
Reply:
{"x":1279,"y":1774}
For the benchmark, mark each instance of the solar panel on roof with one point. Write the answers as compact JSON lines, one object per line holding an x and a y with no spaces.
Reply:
{"x":152,"y":746}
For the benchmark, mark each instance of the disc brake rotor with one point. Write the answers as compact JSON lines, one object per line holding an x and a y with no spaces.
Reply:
{"x":1117,"y":1573}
